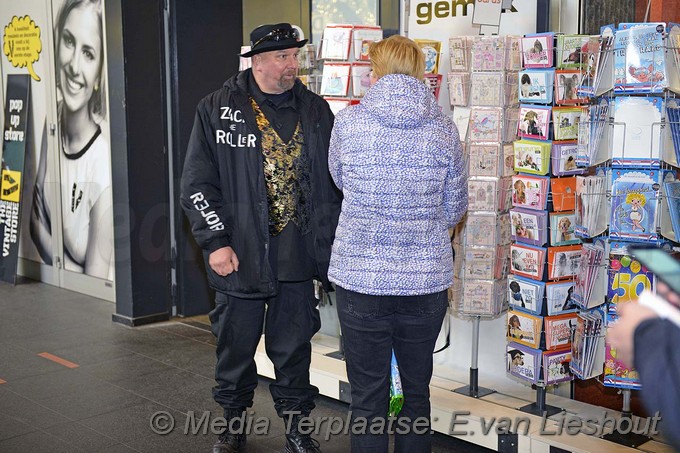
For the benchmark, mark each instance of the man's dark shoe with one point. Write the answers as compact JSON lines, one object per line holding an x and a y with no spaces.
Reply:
{"x":231,"y":441}
{"x":301,"y":443}
{"x":296,"y":442}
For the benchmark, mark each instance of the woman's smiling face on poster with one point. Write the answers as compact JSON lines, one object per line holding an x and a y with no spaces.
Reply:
{"x":80,"y":57}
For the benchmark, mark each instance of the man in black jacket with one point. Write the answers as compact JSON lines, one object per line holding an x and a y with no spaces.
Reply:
{"x":264,"y":209}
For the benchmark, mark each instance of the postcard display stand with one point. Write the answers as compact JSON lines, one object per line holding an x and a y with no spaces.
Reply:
{"x":346,"y":66}
{"x":483,"y":94}
{"x":345,"y":76}
{"x":629,"y":142}
{"x":544,"y":254}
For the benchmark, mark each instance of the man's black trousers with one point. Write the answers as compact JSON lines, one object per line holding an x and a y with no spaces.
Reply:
{"x":289,"y":319}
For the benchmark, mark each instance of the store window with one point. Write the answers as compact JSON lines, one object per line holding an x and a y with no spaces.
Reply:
{"x":324,"y":12}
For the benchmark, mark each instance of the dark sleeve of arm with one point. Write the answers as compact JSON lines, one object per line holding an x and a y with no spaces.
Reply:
{"x":201,"y":196}
{"x":657,"y":360}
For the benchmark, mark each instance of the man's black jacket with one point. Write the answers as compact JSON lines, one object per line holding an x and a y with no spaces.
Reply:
{"x":223,"y":190}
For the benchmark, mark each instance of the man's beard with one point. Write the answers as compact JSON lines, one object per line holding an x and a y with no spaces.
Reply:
{"x":286,"y":84}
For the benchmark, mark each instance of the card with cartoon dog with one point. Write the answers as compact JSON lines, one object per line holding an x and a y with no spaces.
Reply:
{"x":524,"y":328}
{"x":556,"y":366}
{"x":524,"y":362}
{"x":534,"y":121}
{"x":525,"y":293}
{"x":537,"y":50}
{"x":432,"y":50}
{"x":562,"y":228}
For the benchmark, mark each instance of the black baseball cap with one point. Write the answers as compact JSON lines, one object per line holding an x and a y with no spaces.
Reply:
{"x":269,"y":37}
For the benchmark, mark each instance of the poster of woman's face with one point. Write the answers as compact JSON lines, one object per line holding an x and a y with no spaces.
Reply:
{"x":80,"y":56}
{"x":82,"y":183}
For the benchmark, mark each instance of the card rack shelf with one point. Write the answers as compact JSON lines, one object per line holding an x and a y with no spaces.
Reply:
{"x":343,"y":78}
{"x":482,"y":93}
{"x":627,"y":146}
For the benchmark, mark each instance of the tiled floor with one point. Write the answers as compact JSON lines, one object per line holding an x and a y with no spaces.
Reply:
{"x":111,"y":379}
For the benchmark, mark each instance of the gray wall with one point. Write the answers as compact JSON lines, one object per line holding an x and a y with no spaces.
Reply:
{"x":258,"y":12}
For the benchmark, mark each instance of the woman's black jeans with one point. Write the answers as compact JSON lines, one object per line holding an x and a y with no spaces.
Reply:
{"x":372,"y":326}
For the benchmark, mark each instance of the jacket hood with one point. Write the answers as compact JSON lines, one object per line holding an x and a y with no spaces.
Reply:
{"x":401,"y":101}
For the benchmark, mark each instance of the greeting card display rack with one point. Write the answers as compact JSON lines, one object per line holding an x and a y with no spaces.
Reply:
{"x":545,"y":254}
{"x":483,"y":95}
{"x":628,"y":142}
{"x":344,"y":78}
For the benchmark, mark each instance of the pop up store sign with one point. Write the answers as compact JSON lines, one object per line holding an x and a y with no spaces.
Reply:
{"x":14,"y":149}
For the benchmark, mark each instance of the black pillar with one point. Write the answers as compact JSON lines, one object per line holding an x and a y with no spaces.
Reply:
{"x":205,"y":39}
{"x":134,"y":40}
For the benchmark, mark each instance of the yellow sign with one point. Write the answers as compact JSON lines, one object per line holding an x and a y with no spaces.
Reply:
{"x":22,"y":44}
{"x":10,"y":186}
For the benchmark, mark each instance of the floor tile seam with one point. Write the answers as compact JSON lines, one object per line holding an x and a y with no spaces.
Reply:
{"x":171,"y":366}
{"x":38,"y":403}
{"x":194,"y":339}
{"x":152,"y":400}
{"x":116,"y":441}
{"x":177,"y":334}
{"x":145,"y":398}
{"x":69,"y":419}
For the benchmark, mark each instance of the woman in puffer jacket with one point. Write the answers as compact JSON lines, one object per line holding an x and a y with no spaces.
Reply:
{"x":398,"y":161}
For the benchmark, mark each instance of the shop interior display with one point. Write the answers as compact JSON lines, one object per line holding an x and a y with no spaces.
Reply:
{"x":345,"y":77}
{"x":483,"y":96}
{"x":572,"y":145}
{"x":596,"y":158}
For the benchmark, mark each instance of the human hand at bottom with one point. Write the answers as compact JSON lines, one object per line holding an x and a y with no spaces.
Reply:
{"x":223,"y":261}
{"x":620,"y":334}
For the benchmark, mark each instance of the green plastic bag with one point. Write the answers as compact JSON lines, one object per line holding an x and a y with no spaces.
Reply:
{"x":396,"y":390}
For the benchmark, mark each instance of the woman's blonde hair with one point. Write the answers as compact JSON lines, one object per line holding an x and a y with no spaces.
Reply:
{"x":397,"y":55}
